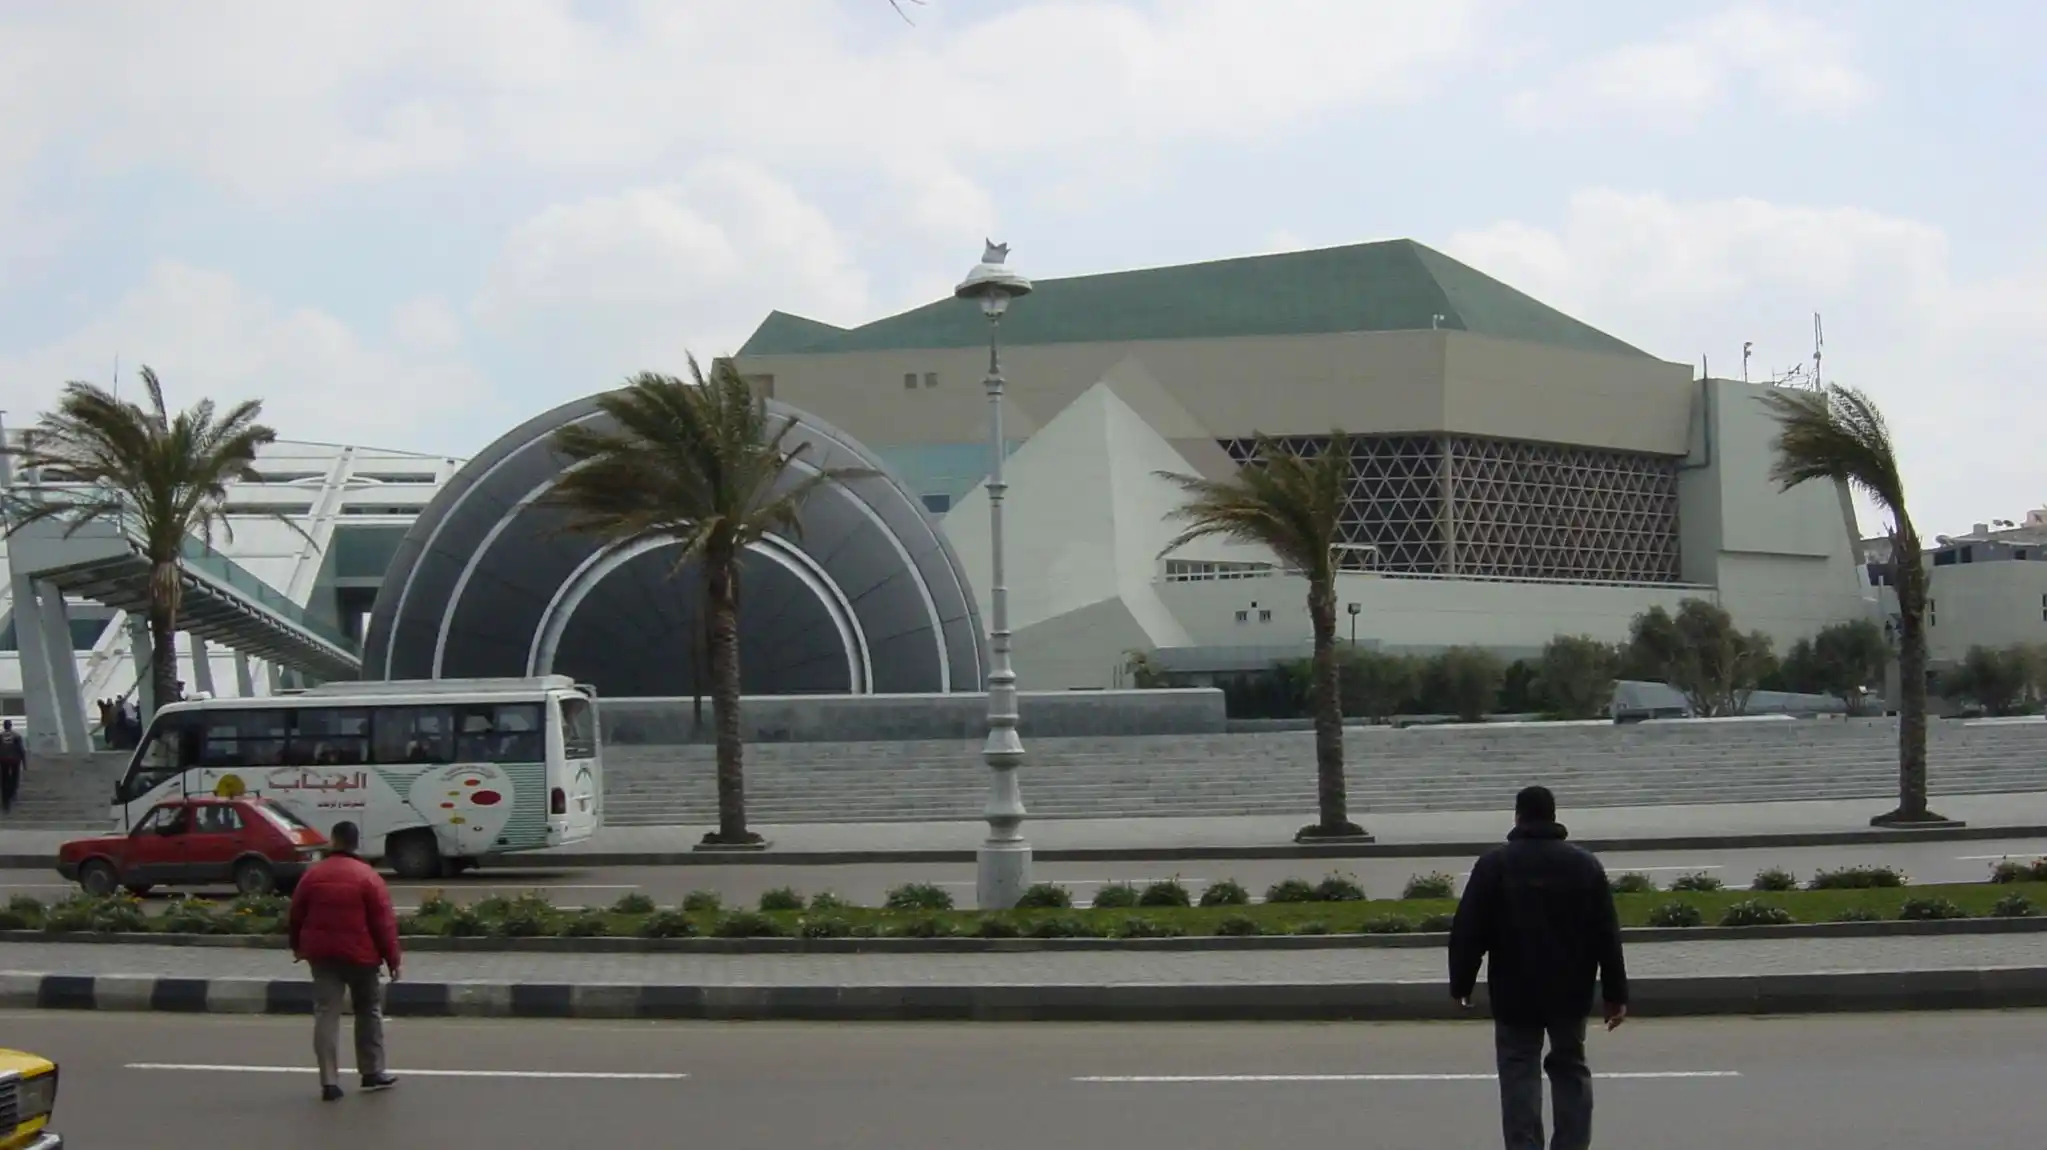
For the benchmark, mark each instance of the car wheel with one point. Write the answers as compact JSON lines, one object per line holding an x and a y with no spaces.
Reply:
{"x":97,"y":878}
{"x":253,"y":876}
{"x":414,"y":855}
{"x":140,"y":889}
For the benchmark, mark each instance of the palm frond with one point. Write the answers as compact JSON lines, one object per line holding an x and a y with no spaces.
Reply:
{"x":1836,"y":435}
{"x":1289,"y":502}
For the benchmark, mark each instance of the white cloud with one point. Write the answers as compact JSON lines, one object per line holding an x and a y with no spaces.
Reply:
{"x":1949,"y":358}
{"x":209,"y":336}
{"x":1793,"y":61}
{"x":273,"y":99}
{"x":635,"y":279}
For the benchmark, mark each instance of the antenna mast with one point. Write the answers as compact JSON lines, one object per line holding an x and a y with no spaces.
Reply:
{"x":1819,"y":344}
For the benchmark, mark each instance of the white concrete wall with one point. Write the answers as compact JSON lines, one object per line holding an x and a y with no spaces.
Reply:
{"x":1984,"y":605}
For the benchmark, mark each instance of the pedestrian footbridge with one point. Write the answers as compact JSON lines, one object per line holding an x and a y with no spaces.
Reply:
{"x":223,"y":603}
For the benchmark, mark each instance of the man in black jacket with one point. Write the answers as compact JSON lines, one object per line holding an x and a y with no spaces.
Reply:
{"x":1541,"y":911}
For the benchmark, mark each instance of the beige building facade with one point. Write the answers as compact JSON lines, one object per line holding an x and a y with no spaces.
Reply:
{"x":1517,"y":473}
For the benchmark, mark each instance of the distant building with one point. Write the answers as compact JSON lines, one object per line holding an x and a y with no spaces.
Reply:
{"x":1518,"y":473}
{"x":1987,"y":588}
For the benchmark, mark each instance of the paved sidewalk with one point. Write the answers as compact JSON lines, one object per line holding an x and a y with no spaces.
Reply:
{"x":1746,"y":957}
{"x":1718,"y":826}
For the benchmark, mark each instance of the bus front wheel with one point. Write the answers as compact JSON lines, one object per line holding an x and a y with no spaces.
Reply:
{"x":414,"y":855}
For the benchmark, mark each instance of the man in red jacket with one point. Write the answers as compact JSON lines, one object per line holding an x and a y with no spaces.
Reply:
{"x":342,"y":926}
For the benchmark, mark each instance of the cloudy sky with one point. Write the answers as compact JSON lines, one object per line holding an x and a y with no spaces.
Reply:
{"x":410,"y":223}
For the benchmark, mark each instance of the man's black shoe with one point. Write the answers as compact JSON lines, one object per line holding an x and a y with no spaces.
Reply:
{"x":330,"y":1093}
{"x":375,"y":1082}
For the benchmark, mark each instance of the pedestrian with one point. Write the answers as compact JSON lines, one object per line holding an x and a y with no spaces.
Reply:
{"x":13,"y":761}
{"x":1540,"y":913}
{"x":343,"y":928}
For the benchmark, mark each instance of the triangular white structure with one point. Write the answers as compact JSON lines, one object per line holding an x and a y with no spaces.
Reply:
{"x":1085,"y":519}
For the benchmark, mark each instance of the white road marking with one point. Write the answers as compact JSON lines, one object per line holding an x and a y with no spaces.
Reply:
{"x":2026,"y":856}
{"x":1182,"y":880}
{"x":1639,"y":1075}
{"x":205,"y":1068}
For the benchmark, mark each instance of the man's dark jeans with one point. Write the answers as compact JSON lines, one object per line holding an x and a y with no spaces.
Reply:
{"x":1522,"y":1065}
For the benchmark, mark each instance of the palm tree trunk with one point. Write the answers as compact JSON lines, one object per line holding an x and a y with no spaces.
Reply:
{"x":1332,"y":800}
{"x":721,"y":586}
{"x":1908,"y":577}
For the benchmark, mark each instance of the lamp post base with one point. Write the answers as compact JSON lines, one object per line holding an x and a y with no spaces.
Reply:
{"x":1003,"y":873}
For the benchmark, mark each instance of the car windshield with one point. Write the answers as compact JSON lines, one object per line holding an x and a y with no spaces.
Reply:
{"x":283,"y":818}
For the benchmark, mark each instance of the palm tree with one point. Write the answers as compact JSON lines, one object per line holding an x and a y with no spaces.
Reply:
{"x":160,"y":479}
{"x":1839,"y":435}
{"x":700,"y":461}
{"x":1290,"y":503}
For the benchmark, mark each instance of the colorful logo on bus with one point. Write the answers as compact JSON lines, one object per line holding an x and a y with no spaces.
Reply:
{"x":475,"y":800}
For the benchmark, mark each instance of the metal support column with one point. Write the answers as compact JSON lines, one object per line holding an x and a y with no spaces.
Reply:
{"x":38,"y":683}
{"x":245,"y":680}
{"x":145,"y":673}
{"x":270,"y":668}
{"x":202,"y":665}
{"x":66,"y":697}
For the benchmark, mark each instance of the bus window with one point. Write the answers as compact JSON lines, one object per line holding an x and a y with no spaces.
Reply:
{"x":171,"y":746}
{"x":330,"y":737}
{"x":242,"y":739}
{"x":500,"y":733}
{"x":413,"y":735}
{"x":579,"y":728}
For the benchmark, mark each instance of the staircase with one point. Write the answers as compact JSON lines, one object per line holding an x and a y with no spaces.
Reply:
{"x":70,"y":792}
{"x":1417,"y":769}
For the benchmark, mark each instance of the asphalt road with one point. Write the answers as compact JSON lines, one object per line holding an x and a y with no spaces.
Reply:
{"x":1836,"y":1083}
{"x":1928,"y":862}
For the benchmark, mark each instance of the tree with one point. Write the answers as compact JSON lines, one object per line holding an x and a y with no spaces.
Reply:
{"x":1998,"y":679}
{"x":1467,"y":681}
{"x":1842,"y":660}
{"x":1144,"y":671}
{"x":701,"y":462}
{"x":1575,"y":677}
{"x":1838,"y":435}
{"x":160,"y":479}
{"x":1701,"y":654}
{"x":1290,"y":503}
{"x":1377,"y":684}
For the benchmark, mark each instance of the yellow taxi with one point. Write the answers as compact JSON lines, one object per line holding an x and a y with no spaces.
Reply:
{"x":28,"y":1094}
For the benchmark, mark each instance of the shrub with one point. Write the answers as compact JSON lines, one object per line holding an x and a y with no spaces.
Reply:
{"x":119,"y":914}
{"x":1316,"y":926}
{"x":523,"y":920}
{"x":26,"y":907}
{"x":2011,"y":870}
{"x":1700,"y":881}
{"x":1339,"y":888}
{"x":1228,"y":892}
{"x":1062,"y":926}
{"x":1045,"y":896}
{"x":864,"y":930}
{"x":824,"y":901}
{"x":823,"y":926}
{"x":924,"y":926}
{"x":997,"y":927}
{"x":1115,"y":896}
{"x":746,"y":924}
{"x":920,"y":896}
{"x":1433,"y":885}
{"x":703,"y":902}
{"x":1856,"y":914}
{"x":1633,"y":882}
{"x":1167,"y":893}
{"x":2013,"y":905}
{"x":192,"y":916}
{"x":1436,"y":924}
{"x":11,"y":919}
{"x":68,"y":916}
{"x":1137,"y":927}
{"x":1290,"y":890}
{"x":586,"y":924}
{"x":260,"y":906}
{"x":1676,"y":914}
{"x":1857,"y":878}
{"x":1393,"y":924}
{"x":1929,"y":910}
{"x":435,"y":903}
{"x":634,"y":903}
{"x":1774,"y":879}
{"x":668,"y":924}
{"x":1239,"y":926}
{"x":464,"y":922}
{"x":496,"y":906}
{"x":1755,"y":912}
{"x":780,"y":899}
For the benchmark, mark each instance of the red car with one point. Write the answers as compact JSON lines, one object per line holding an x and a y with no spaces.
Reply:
{"x":198,"y":841}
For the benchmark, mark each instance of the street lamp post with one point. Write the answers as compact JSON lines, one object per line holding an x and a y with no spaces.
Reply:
{"x":1004,"y":860}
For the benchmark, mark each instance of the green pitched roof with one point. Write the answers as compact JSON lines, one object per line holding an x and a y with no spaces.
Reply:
{"x":1395,"y":285}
